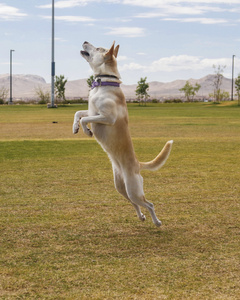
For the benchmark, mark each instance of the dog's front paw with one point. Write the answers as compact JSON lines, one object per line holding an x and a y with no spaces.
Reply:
{"x":87,"y":131}
{"x":75,"y":127}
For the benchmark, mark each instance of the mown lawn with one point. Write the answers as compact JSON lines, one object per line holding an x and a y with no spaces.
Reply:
{"x":67,"y":234}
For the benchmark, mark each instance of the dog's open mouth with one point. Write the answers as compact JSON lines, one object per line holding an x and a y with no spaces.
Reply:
{"x":85,"y":53}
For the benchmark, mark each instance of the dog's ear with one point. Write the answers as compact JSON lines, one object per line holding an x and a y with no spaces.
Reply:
{"x":110,"y":52}
{"x":115,"y":52}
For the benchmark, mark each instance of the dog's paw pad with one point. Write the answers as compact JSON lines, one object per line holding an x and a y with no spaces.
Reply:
{"x":142,"y":218}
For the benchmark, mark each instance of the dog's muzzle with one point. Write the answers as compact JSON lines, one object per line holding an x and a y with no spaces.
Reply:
{"x":85,"y":53}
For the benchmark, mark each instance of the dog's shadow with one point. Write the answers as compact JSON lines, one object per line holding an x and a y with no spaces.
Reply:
{"x":138,"y":240}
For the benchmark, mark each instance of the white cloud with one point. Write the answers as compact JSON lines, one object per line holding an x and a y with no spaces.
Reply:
{"x":169,"y":10}
{"x":131,"y":67}
{"x":177,"y":63}
{"x":58,"y":39}
{"x":127,"y":31}
{"x":74,"y":3}
{"x":71,"y":18}
{"x":122,"y":58}
{"x":185,"y":62}
{"x":68,"y":3}
{"x":160,"y":3}
{"x":74,"y":18}
{"x":9,"y":13}
{"x":208,"y":21}
{"x":149,"y":15}
{"x":143,"y":3}
{"x":177,"y":10}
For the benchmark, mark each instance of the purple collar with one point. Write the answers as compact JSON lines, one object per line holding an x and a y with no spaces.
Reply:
{"x":104,"y":83}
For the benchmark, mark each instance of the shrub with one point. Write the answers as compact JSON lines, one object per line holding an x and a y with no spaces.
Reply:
{"x":77,"y":101}
{"x":44,"y":96}
{"x":42,"y":101}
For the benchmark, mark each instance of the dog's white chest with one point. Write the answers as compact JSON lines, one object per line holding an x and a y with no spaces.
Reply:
{"x":94,"y":105}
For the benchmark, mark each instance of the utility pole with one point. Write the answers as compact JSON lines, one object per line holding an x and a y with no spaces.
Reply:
{"x":10,"y":100}
{"x":232,"y":76}
{"x":52,"y":63}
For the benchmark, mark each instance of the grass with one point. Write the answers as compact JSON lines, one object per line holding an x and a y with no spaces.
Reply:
{"x":67,"y":234}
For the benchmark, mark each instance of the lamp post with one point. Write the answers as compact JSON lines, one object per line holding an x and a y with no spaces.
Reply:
{"x":52,"y":63}
{"x":232,"y":76}
{"x":10,"y":100}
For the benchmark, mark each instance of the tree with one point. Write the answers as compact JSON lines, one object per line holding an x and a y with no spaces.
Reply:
{"x":90,"y":81}
{"x":44,"y":96}
{"x":60,"y":83}
{"x":189,"y":90}
{"x":3,"y":94}
{"x":141,"y":90}
{"x":224,"y":96}
{"x":237,"y":87}
{"x":218,"y":70}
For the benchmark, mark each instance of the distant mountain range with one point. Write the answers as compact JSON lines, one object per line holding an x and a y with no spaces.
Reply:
{"x":24,"y":87}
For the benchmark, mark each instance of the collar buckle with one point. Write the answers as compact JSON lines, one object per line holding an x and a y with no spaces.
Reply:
{"x":99,"y":81}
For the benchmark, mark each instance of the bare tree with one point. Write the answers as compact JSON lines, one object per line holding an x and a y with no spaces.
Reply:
{"x":44,"y":96}
{"x":218,"y":70}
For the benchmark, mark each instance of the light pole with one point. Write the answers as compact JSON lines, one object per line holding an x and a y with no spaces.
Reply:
{"x":10,"y":100}
{"x":232,"y":76}
{"x":52,"y":63}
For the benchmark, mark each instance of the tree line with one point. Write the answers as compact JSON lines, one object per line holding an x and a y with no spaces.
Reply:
{"x":190,"y":91}
{"x":141,"y":91}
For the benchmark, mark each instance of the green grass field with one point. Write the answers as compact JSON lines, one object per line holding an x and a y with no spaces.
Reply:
{"x":67,"y":234}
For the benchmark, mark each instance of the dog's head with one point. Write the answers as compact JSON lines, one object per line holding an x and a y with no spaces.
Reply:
{"x":102,"y":61}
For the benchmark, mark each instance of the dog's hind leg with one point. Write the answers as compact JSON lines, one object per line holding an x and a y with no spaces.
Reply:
{"x":120,"y":187}
{"x":134,"y":188}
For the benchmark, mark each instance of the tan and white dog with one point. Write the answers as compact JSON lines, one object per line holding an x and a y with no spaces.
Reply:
{"x":107,"y":113}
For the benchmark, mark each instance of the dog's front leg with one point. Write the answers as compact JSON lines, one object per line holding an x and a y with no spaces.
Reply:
{"x":77,"y":117}
{"x":101,"y":119}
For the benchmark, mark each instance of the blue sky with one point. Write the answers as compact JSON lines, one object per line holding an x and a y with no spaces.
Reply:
{"x":160,"y":40}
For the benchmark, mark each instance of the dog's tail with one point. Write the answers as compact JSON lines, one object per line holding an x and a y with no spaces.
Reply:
{"x":159,"y":161}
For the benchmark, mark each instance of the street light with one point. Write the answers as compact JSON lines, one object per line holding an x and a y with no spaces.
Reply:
{"x":10,"y":100}
{"x":232,"y":76}
{"x":52,"y":63}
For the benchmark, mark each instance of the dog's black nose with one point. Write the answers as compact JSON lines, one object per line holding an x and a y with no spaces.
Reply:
{"x":85,"y":43}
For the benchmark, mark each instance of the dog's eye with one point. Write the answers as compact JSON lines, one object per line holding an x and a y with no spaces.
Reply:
{"x":100,"y":49}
